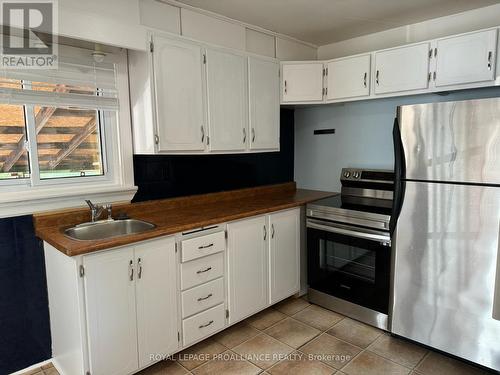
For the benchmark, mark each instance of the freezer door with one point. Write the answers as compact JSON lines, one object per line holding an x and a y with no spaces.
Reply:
{"x":452,"y":141}
{"x":446,"y":246}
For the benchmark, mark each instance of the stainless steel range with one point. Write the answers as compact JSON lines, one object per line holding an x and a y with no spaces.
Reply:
{"x":349,"y":246}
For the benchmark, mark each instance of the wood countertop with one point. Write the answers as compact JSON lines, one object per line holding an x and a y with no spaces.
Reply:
{"x":174,"y":215}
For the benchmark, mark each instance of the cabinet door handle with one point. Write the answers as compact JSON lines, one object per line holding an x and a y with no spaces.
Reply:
{"x":244,"y":135}
{"x":364,"y":79}
{"x":202,"y":134}
{"x":376,"y":77}
{"x":253,"y":135}
{"x":131,"y":270}
{"x":490,"y":56}
{"x":203,"y":271}
{"x":139,"y":268}
{"x":265,"y":233}
{"x":272,"y":230}
{"x":204,"y":298}
{"x":286,"y":90}
{"x":206,"y":325}
{"x":205,"y":246}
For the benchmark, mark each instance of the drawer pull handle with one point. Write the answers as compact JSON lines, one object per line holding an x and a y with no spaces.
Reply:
{"x":345,"y":286}
{"x":206,"y":325}
{"x":203,"y":271}
{"x":204,"y":298}
{"x":205,"y":246}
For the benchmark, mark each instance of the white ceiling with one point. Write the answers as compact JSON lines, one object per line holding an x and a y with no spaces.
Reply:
{"x":327,"y":21}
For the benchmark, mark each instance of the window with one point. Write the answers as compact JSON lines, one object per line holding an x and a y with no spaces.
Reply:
{"x":53,"y":122}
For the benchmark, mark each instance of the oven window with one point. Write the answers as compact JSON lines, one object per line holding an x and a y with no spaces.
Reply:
{"x":347,"y":259}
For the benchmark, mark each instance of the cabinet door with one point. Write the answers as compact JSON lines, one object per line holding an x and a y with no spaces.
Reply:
{"x":227,"y":100}
{"x":284,"y":254}
{"x":402,"y":69}
{"x":111,"y":314}
{"x":263,"y":82}
{"x":348,"y":78}
{"x":302,"y":82}
{"x":178,"y":72}
{"x":156,"y":288}
{"x":466,"y":58}
{"x":247,"y":267}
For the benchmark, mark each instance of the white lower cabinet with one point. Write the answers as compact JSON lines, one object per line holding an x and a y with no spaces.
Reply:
{"x":156,"y":296}
{"x":111,"y":312}
{"x":130,"y":296}
{"x":263,"y":262}
{"x":284,"y":253}
{"x":247,"y":267}
{"x":117,"y":311}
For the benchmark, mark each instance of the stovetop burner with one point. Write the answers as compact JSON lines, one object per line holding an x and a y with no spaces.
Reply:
{"x":383,"y":207}
{"x":366,"y":200}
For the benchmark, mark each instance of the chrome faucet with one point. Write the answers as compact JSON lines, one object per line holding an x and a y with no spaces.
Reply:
{"x":96,"y":210}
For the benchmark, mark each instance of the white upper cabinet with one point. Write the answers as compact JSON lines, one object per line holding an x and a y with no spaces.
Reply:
{"x":156,"y":294}
{"x":466,"y":58}
{"x":111,"y":312}
{"x":227,"y":100}
{"x":247,"y":267}
{"x":180,"y":114}
{"x":348,"y":77}
{"x":284,"y":247}
{"x":402,"y":69}
{"x":263,"y":88}
{"x":302,"y":82}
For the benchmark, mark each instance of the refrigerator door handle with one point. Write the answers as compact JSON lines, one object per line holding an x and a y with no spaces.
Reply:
{"x":496,"y":296}
{"x":399,"y":174}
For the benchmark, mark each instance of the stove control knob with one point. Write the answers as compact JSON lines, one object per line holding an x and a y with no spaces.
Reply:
{"x":347,"y":174}
{"x":356,"y":175}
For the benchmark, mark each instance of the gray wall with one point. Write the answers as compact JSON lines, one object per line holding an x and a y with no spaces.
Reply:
{"x":363,"y":136}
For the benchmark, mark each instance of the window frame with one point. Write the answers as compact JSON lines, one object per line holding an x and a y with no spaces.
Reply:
{"x":19,"y":197}
{"x":35,"y":180}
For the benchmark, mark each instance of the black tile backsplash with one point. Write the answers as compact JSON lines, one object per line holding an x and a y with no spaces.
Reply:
{"x":24,"y":310}
{"x":167,"y":176}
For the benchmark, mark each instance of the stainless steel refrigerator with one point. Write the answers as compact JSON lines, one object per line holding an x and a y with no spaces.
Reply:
{"x":446,"y":227}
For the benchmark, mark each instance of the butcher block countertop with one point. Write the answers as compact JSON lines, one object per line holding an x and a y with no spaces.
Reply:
{"x":174,"y":215}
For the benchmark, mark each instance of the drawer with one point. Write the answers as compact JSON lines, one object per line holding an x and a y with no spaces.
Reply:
{"x":201,"y":246}
{"x":203,"y":324}
{"x":202,"y":297}
{"x":200,"y":271}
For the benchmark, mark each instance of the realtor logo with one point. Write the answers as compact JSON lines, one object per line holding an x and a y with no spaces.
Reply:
{"x":29,"y":34}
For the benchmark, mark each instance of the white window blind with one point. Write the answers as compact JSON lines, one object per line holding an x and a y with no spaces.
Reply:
{"x":78,"y":81}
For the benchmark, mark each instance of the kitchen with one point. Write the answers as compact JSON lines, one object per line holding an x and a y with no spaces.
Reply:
{"x":314,"y":189}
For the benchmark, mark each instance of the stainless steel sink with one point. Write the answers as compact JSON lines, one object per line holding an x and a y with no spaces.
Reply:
{"x":101,"y":230}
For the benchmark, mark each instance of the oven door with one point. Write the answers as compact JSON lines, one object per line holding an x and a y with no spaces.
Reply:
{"x":350,"y":263}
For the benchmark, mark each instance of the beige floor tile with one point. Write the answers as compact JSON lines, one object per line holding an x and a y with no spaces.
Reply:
{"x":355,"y":332}
{"x":263,"y":350}
{"x":47,"y":366}
{"x":50,"y":371}
{"x":36,"y":371}
{"x":229,"y":363}
{"x":292,"y":305}
{"x":266,"y":319}
{"x":397,"y":350}
{"x":297,"y":363}
{"x":199,"y":353}
{"x":318,"y":317}
{"x":236,"y":334}
{"x":330,"y":350}
{"x":368,"y":363}
{"x":164,"y":368}
{"x":438,"y":364}
{"x":292,"y":332}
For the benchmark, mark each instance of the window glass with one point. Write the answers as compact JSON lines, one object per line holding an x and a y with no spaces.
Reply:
{"x":14,"y":162}
{"x":68,"y":142}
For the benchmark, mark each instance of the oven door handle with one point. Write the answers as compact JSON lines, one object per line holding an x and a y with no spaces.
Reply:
{"x":384,"y":240}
